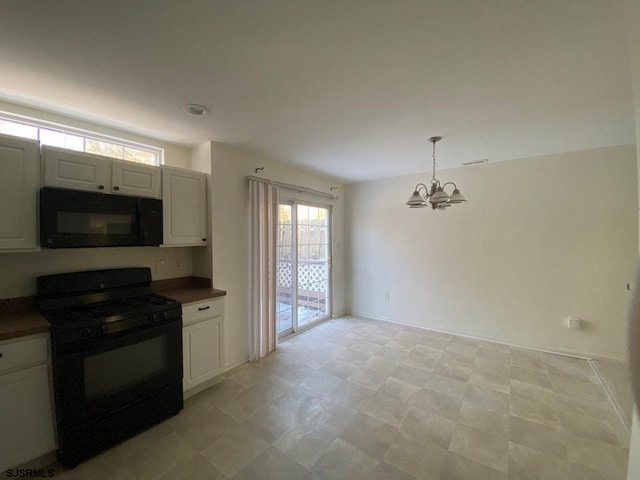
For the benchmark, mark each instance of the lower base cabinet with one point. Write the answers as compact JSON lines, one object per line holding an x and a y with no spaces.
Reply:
{"x":26,"y":418}
{"x":203,"y":342}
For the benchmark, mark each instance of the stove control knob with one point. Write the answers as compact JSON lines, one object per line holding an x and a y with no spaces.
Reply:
{"x":86,"y":332}
{"x":100,"y":330}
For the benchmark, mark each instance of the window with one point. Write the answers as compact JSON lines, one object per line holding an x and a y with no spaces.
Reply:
{"x":73,"y":139}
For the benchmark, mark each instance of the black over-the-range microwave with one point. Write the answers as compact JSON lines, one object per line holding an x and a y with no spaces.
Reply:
{"x":74,"y":219}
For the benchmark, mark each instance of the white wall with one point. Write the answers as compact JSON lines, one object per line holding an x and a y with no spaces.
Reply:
{"x":19,"y":270}
{"x":229,"y":213}
{"x":538,"y":240}
{"x":632,"y":15}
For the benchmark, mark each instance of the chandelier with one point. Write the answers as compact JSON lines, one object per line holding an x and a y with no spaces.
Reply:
{"x":435,"y":195}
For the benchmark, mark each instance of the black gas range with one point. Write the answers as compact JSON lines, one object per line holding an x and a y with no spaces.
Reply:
{"x":117,"y":357}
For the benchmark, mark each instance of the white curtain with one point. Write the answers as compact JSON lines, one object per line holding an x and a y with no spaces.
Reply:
{"x":263,"y":230}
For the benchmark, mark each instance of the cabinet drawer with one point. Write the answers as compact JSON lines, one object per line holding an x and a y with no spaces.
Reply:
{"x":22,"y":353}
{"x":195,"y":312}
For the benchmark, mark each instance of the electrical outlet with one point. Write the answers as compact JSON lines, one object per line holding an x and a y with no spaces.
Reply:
{"x":387,"y":296}
{"x":177,"y":265}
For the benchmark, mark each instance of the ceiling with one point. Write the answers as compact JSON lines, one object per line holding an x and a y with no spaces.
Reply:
{"x":351,"y":88}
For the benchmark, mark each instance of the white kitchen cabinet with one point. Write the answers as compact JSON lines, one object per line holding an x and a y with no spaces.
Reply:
{"x":202,"y":342}
{"x":94,"y":173}
{"x":184,"y":205}
{"x":79,"y":171}
{"x":135,"y":179}
{"x":25,"y":401}
{"x":19,"y":186}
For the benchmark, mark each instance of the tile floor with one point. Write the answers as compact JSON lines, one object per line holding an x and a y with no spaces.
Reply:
{"x":362,"y":399}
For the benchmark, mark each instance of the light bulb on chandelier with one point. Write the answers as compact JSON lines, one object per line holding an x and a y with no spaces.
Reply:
{"x":435,"y":194}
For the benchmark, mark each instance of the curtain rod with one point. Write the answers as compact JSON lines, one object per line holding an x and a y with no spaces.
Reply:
{"x":297,"y":188}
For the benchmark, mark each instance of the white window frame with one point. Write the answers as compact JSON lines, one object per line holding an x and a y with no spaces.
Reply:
{"x":85,"y":134}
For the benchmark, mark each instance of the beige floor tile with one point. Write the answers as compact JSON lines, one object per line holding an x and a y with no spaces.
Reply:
{"x":367,"y":378}
{"x":420,"y":427}
{"x":494,"y":382}
{"x":484,"y":418}
{"x":386,"y":409}
{"x":419,"y":360}
{"x":197,"y":468}
{"x":320,"y":382}
{"x":413,"y":375}
{"x":597,"y":455}
{"x":489,"y":450}
{"x":423,"y":461}
{"x":395,"y":420}
{"x":339,"y":368}
{"x":331,"y":417}
{"x":386,"y":471}
{"x":467,"y":350}
{"x":537,"y":436}
{"x":493,"y":400}
{"x":528,"y":391}
{"x":399,"y":389}
{"x":305,"y":444}
{"x":535,"y":411}
{"x":492,"y":366}
{"x":245,"y":375}
{"x":349,"y":395}
{"x":529,"y":464}
{"x":204,"y":431}
{"x":235,"y":450}
{"x":272,"y":464}
{"x":381,"y":365}
{"x":452,"y":370}
{"x":370,"y":435}
{"x":445,"y":384}
{"x":587,"y":427}
{"x":343,"y":461}
{"x":441,"y":404}
{"x":457,"y":467}
{"x":271,"y":422}
{"x":528,"y":359}
{"x":534,"y":377}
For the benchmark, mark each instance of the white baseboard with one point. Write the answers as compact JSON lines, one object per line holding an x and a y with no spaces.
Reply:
{"x":235,"y":363}
{"x":612,"y":397}
{"x":567,"y":353}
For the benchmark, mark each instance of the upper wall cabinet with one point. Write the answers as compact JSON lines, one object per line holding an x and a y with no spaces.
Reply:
{"x":84,"y":171}
{"x":128,"y":178}
{"x":184,"y":205}
{"x":19,"y":185}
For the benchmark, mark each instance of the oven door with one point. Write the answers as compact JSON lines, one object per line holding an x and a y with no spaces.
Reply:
{"x":113,"y":372}
{"x":72,"y":218}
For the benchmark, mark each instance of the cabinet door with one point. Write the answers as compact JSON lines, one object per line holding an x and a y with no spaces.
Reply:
{"x":19,"y":185}
{"x":128,"y":178}
{"x":203,"y":353}
{"x":184,"y":204}
{"x":25,"y":416}
{"x":79,"y":171}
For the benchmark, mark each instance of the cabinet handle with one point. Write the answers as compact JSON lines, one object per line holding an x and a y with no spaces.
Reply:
{"x":204,"y":239}
{"x":100,"y":187}
{"x":200,"y":308}
{"x":116,"y":188}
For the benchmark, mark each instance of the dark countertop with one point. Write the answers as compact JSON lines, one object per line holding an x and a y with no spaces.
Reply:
{"x":21,"y":324}
{"x":187,"y":289}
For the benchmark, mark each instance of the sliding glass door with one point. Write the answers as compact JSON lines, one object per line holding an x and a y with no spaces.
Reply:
{"x":304,"y":265}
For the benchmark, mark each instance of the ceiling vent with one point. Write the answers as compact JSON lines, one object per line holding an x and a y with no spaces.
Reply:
{"x":476,"y":162}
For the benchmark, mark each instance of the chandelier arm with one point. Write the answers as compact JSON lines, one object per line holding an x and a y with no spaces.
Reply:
{"x":449,"y":183}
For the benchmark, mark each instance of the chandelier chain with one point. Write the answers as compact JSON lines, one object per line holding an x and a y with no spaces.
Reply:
{"x":434,"y":161}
